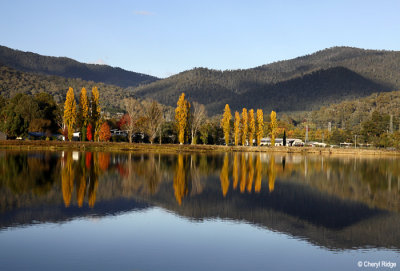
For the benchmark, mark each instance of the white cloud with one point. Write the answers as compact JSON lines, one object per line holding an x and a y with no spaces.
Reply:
{"x":100,"y":62}
{"x":143,"y":13}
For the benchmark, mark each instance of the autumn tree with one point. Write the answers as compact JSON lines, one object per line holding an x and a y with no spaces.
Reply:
{"x":260,"y":126}
{"x":181,"y":115}
{"x":237,"y":127}
{"x":89,"y":134}
{"x":95,"y":111}
{"x":104,"y":133}
{"x":244,"y":127}
{"x":153,"y":119}
{"x":273,"y":126}
{"x":134,"y":108}
{"x":252,"y":126}
{"x":83,"y":113}
{"x":70,"y":112}
{"x":225,"y":123}
{"x":198,"y":116}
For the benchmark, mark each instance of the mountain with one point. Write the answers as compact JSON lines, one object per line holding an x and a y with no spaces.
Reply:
{"x":69,"y":68}
{"x":301,"y":84}
{"x":13,"y":82}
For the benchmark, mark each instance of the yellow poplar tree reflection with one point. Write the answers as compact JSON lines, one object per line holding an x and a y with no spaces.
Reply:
{"x":257,"y":185}
{"x":180,"y":187}
{"x":94,"y":179}
{"x":235,"y":174}
{"x":242,"y":174}
{"x":224,"y":176}
{"x":271,"y":174}
{"x":251,"y":174}
{"x":67,"y":178}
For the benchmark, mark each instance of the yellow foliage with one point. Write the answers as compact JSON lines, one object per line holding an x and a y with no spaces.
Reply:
{"x":244,"y":126}
{"x":273,"y":125}
{"x":84,"y":105}
{"x":260,"y":126}
{"x":252,"y":126}
{"x":181,"y":115}
{"x":70,"y":112}
{"x":237,"y":127}
{"x":225,"y":123}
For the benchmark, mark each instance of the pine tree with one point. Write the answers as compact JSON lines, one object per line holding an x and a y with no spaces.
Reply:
{"x":252,"y":126}
{"x":273,"y":126}
{"x":244,"y":126}
{"x":70,"y":112}
{"x":237,"y":127}
{"x":260,"y":126}
{"x":225,"y":123}
{"x":284,"y":138}
{"x":181,"y":115}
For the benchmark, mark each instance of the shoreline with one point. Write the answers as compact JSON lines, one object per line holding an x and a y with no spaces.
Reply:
{"x":176,"y":148}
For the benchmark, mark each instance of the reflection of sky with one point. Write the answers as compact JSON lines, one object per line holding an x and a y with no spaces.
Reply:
{"x":158,"y":240}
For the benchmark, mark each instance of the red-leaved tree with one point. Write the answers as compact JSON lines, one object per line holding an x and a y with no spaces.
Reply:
{"x":89,"y":132}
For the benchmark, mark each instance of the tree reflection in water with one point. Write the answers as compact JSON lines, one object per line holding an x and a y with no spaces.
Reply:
{"x":84,"y":176}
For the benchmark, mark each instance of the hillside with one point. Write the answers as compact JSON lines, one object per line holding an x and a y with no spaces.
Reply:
{"x":300,"y":84}
{"x":13,"y":82}
{"x":353,"y":112}
{"x":69,"y":68}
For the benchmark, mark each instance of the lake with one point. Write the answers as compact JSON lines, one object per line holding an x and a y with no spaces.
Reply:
{"x":238,"y":211}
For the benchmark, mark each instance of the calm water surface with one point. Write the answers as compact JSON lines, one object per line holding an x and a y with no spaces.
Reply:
{"x":244,"y":211}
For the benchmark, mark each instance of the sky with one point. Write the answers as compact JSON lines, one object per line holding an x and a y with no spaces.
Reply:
{"x":162,"y":38}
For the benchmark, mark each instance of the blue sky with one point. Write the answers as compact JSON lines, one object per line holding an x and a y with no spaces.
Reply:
{"x":162,"y":38}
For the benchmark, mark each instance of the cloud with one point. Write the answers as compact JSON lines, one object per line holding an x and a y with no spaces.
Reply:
{"x":99,"y":62}
{"x":143,"y":13}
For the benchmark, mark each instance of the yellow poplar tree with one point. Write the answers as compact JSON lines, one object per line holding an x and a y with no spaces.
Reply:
{"x":237,"y":127}
{"x":83,"y":113}
{"x":225,"y":123}
{"x":181,"y":114}
{"x":244,"y":126}
{"x":70,"y":112}
{"x":84,"y":106}
{"x":273,"y":125}
{"x":260,"y":126}
{"x":252,"y":126}
{"x":96,"y":112}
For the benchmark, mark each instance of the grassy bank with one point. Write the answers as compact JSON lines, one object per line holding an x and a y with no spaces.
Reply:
{"x":175,"y":148}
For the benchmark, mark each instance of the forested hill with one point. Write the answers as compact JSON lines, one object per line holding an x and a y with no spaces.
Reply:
{"x":69,"y":68}
{"x":13,"y":82}
{"x":304,"y":83}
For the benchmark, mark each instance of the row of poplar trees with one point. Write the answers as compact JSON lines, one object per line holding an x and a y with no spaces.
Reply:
{"x":246,"y":127}
{"x":86,"y":117}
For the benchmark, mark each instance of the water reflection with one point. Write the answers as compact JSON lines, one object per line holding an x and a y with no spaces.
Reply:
{"x":323,"y":199}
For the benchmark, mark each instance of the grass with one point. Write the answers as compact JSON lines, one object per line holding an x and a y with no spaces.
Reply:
{"x":175,"y":148}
